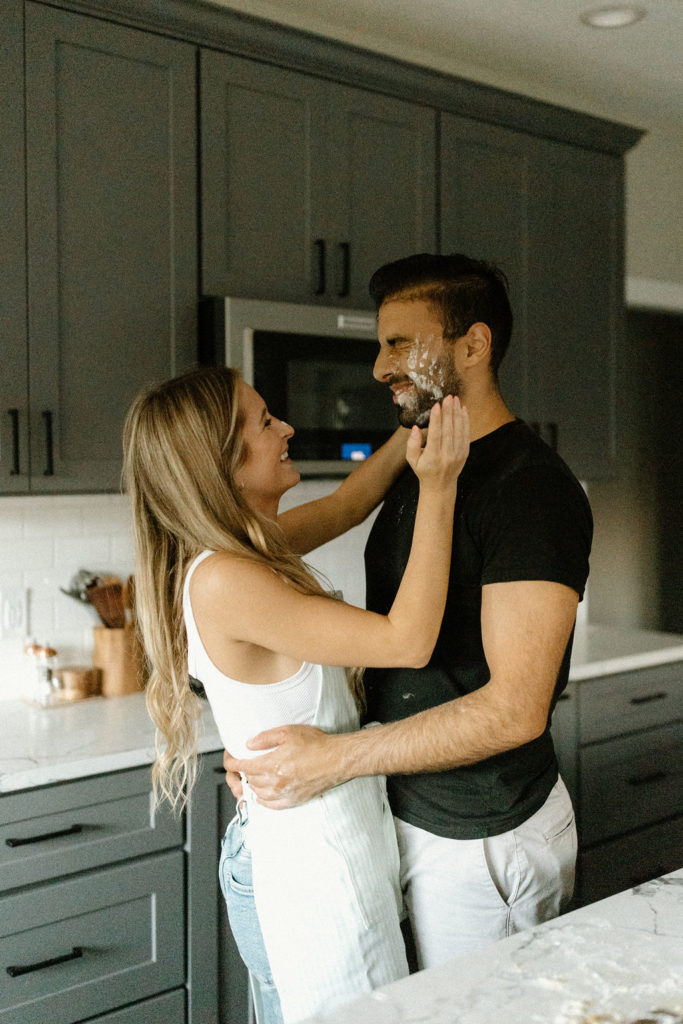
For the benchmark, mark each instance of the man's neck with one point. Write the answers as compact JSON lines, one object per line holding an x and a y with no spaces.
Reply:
{"x":487,"y":413}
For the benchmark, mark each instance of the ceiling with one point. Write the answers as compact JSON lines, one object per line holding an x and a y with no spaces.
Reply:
{"x":536,"y":47}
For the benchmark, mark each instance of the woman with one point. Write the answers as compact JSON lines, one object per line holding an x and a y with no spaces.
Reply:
{"x":223,"y":597}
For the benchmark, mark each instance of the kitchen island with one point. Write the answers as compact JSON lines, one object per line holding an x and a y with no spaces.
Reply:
{"x":619,"y":961}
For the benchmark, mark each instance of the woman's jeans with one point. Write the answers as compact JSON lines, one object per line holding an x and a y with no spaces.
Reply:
{"x":235,"y":877}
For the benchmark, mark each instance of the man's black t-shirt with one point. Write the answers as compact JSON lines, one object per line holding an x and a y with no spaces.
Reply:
{"x":520,"y":514}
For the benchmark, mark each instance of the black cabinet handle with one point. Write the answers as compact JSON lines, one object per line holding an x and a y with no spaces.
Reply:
{"x":564,"y":696}
{"x":644,"y":780}
{"x":44,"y":836}
{"x":320,"y":248}
{"x":49,"y":449}
{"x":649,"y":697}
{"x":14,"y":416}
{"x":16,"y":970}
{"x":345,"y":286}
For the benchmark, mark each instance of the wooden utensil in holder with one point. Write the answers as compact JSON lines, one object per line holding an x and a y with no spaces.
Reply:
{"x":120,"y":656}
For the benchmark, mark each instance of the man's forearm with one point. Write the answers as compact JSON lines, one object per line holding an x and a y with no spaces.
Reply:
{"x":461,"y":732}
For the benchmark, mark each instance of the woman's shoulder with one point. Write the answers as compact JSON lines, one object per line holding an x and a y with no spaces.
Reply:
{"x":219,"y":571}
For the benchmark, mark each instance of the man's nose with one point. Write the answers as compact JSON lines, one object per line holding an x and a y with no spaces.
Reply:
{"x":381,"y":371}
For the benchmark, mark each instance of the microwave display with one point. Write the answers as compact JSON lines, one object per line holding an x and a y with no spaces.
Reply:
{"x":323,"y":387}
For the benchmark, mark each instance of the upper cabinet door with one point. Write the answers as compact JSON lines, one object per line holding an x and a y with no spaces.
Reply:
{"x":14,"y":466}
{"x":485,"y":184}
{"x":549,"y":215}
{"x":111,"y":157}
{"x":308,"y":186}
{"x":382,"y":179}
{"x":262,"y":134}
{"x":576,"y":300}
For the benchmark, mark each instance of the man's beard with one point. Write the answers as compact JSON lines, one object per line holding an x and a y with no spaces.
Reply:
{"x":417,"y":403}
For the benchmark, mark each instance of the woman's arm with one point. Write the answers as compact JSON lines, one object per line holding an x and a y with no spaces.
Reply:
{"x":237,"y":602}
{"x":314,"y":523}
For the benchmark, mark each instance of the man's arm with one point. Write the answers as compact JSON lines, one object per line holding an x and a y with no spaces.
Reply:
{"x":525,"y":629}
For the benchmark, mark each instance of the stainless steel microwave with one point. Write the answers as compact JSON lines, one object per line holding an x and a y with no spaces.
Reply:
{"x":312,"y":365}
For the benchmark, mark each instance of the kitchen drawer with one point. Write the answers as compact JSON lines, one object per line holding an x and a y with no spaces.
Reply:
{"x":625,"y":862}
{"x":88,"y":944}
{"x":58,"y":830}
{"x":630,"y":701}
{"x":630,"y":782}
{"x":166,"y":1009}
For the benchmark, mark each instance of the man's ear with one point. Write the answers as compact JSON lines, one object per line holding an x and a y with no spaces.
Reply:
{"x":477,"y":344}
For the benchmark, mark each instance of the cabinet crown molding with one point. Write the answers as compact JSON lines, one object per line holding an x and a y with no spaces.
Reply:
{"x":205,"y":24}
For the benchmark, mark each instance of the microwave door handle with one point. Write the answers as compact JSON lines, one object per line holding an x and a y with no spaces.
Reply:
{"x":319,"y":246}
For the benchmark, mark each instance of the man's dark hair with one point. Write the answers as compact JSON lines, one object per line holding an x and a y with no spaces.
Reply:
{"x":464,"y":291}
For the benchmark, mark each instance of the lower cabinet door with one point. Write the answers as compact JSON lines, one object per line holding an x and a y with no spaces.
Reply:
{"x":630,"y":782}
{"x":623,"y":863}
{"x":72,"y":949}
{"x":166,"y":1009}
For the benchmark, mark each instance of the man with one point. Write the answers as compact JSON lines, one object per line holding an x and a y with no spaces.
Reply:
{"x":485,"y":826}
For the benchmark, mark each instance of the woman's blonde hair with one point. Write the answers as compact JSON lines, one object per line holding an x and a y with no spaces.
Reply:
{"x":183,"y":444}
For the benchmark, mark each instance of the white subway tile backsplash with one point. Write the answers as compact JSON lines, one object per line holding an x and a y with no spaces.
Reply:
{"x":18,"y":555}
{"x":64,"y":522}
{"x":11,"y":524}
{"x":84,"y":552}
{"x":44,"y":540}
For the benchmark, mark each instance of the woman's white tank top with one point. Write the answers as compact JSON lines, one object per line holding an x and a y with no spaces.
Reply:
{"x":241,"y":710}
{"x":326,"y":873}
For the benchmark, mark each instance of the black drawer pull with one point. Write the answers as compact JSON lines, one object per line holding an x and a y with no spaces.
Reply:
{"x":564,"y":696}
{"x":17,"y":970}
{"x":49,"y":444}
{"x":322,"y":284}
{"x":219,"y":771}
{"x":72,"y":831}
{"x":14,"y":416}
{"x":649,"y":697}
{"x":644,"y":780}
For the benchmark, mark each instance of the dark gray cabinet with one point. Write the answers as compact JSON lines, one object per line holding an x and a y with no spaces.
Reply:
{"x":618,"y":742}
{"x":551,"y":215}
{"x":308,"y":186}
{"x":110,"y":273}
{"x":91,"y":904}
{"x":106,"y":902}
{"x":317,"y":163}
{"x":13,"y":339}
{"x":217,"y":979}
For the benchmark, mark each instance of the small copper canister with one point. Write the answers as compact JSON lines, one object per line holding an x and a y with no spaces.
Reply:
{"x":79,"y":681}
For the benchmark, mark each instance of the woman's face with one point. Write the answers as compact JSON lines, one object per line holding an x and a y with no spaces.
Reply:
{"x":266,"y":471}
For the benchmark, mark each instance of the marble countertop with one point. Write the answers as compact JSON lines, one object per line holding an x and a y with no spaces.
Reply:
{"x":42,"y":746}
{"x":606,"y":650}
{"x":619,"y":961}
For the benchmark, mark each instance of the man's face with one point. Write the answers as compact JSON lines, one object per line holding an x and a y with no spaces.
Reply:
{"x":414,"y":360}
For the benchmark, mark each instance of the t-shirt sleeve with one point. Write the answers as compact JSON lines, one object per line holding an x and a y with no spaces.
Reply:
{"x":537,"y":526}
